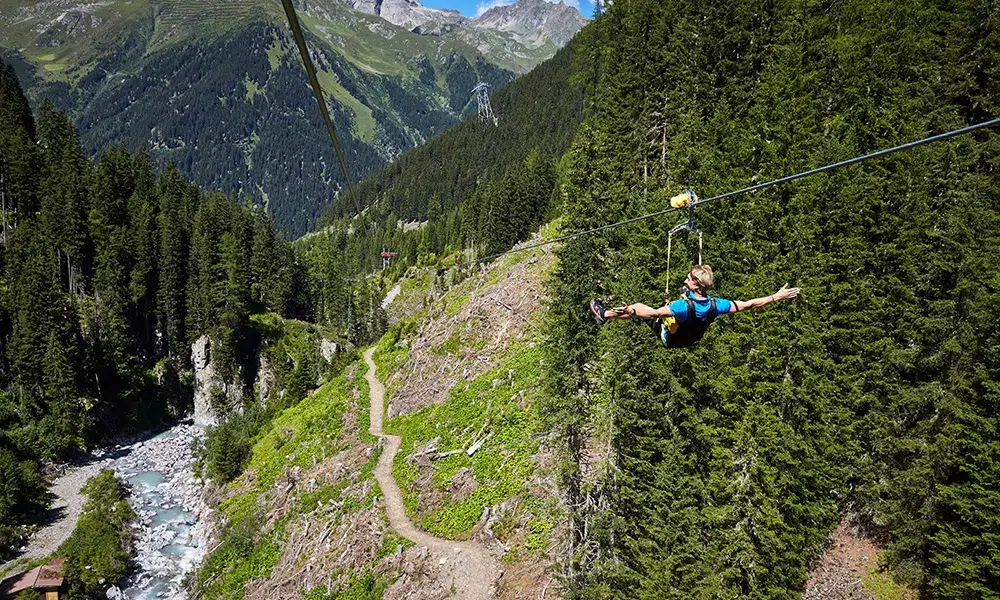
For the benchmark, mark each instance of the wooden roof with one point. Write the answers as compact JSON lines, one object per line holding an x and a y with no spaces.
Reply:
{"x":45,"y":576}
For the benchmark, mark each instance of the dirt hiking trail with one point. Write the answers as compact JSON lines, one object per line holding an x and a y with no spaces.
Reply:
{"x":472,"y":569}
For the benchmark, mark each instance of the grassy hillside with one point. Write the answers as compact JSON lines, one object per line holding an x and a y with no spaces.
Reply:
{"x":307,"y":492}
{"x":463,"y":372}
{"x":305,"y":518}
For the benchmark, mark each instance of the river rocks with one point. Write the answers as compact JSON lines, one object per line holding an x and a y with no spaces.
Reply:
{"x":167,"y":499}
{"x":114,"y":593}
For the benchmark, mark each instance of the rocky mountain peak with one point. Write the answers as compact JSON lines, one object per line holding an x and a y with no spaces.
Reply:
{"x":530,"y":22}
{"x":527,"y":18}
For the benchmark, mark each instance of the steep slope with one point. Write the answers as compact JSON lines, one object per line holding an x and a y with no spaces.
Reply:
{"x":308,"y":519}
{"x":462,"y":367}
{"x":517,"y":37}
{"x":471,"y":567}
{"x":874,"y":394}
{"x":472,"y":168}
{"x":532,"y":21}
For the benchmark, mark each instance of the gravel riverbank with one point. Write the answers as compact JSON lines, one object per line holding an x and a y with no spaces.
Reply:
{"x":170,"y":531}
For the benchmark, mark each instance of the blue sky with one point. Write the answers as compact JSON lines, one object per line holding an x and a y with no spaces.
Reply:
{"x":473,"y":8}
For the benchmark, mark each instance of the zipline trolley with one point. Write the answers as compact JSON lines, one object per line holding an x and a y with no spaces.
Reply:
{"x":687,"y":199}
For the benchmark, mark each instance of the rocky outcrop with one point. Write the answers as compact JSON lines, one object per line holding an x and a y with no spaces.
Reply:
{"x":408,"y":13}
{"x":204,"y":376}
{"x":530,"y":22}
{"x":207,"y":387}
{"x":328,"y":348}
{"x":214,"y":398}
{"x":265,"y":379}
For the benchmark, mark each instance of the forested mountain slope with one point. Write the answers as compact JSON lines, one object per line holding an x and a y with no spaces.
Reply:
{"x":110,"y":271}
{"x":218,"y":89}
{"x":719,"y":471}
{"x":723,"y":469}
{"x":475,"y":187}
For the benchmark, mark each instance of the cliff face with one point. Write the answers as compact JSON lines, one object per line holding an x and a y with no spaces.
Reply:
{"x":288,"y":350}
{"x":207,"y":388}
{"x":531,"y":23}
{"x":409,"y":14}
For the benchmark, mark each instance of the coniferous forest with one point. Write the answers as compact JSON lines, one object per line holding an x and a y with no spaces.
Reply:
{"x":110,"y":270}
{"x":720,"y":472}
{"x":714,"y":472}
{"x":477,"y":188}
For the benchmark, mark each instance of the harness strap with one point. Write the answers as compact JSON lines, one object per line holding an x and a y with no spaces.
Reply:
{"x":712,"y":312}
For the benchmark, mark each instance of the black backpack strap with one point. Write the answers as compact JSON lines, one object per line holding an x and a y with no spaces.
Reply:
{"x":712,"y":312}
{"x":691,"y":314}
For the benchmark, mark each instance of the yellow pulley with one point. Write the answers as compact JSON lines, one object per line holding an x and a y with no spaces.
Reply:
{"x":687,"y":199}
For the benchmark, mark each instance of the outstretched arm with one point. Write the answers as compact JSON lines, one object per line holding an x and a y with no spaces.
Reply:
{"x":785,"y":293}
{"x":637,"y":310}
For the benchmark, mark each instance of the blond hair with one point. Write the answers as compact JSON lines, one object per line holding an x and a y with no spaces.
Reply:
{"x":702,"y":275}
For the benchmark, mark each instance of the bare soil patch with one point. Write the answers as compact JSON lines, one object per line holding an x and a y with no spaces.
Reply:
{"x":468,"y":328}
{"x":841,"y":570}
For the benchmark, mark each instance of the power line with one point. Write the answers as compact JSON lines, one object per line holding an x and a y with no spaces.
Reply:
{"x":759,"y":186}
{"x":300,"y":41}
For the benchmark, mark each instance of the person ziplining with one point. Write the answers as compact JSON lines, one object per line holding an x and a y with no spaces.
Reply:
{"x":684,"y":321}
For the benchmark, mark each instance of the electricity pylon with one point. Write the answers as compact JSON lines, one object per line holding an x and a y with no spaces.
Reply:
{"x":482,"y":91}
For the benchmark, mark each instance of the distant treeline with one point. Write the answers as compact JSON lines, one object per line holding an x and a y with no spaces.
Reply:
{"x":721,"y":471}
{"x":477,"y":186}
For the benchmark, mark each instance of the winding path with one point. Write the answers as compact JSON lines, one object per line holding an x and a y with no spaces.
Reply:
{"x":472,"y":568}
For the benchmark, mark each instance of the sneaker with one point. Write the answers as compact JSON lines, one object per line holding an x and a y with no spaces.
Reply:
{"x":597,"y":309}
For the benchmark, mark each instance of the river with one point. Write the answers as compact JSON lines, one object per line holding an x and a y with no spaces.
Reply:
{"x":166,"y":495}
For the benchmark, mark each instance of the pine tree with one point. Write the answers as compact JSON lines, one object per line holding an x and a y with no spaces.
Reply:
{"x":66,"y":418}
{"x":19,"y":164}
{"x":172,"y":265}
{"x":64,"y":205}
{"x":143,"y":246}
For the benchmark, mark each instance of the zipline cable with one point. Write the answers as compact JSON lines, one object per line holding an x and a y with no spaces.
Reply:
{"x":300,"y":41}
{"x":759,"y":186}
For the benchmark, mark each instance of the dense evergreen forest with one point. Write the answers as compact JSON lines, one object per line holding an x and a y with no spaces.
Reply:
{"x":230,"y":111}
{"x":109,"y":272}
{"x":721,"y":471}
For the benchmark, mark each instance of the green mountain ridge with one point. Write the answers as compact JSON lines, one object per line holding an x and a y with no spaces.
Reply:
{"x":218,"y":88}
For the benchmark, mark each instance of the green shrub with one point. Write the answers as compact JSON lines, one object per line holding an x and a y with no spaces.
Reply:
{"x":22,"y":491}
{"x":226,"y":449}
{"x":98,"y":551}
